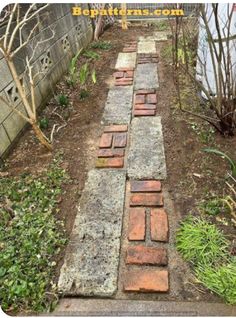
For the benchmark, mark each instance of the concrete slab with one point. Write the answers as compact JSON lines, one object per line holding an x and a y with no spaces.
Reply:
{"x":92,"y":256}
{"x":146,"y":157}
{"x":157,"y":36}
{"x":126,"y":60}
{"x":109,"y":307}
{"x":146,"y":76}
{"x":146,"y":47}
{"x":118,"y":105}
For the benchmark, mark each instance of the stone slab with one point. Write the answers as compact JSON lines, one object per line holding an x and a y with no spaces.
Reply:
{"x":146,"y":47}
{"x":157,"y":36}
{"x":146,"y":76}
{"x":126,"y":60}
{"x":118,"y":105}
{"x":92,"y":257}
{"x":116,"y":308}
{"x":146,"y":158}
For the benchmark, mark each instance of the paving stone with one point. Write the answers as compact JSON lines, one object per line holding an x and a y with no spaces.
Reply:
{"x":105,"y":141}
{"x":126,"y":60}
{"x":106,"y":153}
{"x":145,"y":107}
{"x":110,"y":162}
{"x":139,"y":99}
{"x":146,"y":76}
{"x":145,"y":186}
{"x":146,"y":158}
{"x":146,"y":47}
{"x":157,"y":36}
{"x":144,"y":112}
{"x":146,"y":281}
{"x":146,"y":199}
{"x":145,"y":255}
{"x":120,"y":140}
{"x":92,"y":257}
{"x":116,"y":128}
{"x":136,"y":230}
{"x":118,"y":105}
{"x":159,"y":225}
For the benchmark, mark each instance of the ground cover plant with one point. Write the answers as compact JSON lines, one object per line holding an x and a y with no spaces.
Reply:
{"x":30,"y":239}
{"x":206,"y":247}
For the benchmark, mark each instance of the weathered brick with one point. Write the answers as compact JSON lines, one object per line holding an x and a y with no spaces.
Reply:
{"x":105,"y":141}
{"x":125,"y":69}
{"x":139,"y":99}
{"x":118,"y":74}
{"x":159,"y":225}
{"x":145,"y":106}
{"x":151,"y":98}
{"x":145,"y":91}
{"x":129,"y":74}
{"x":146,"y":281}
{"x":119,"y":140}
{"x":116,"y":128}
{"x":144,"y":255}
{"x":145,"y":186}
{"x":136,"y":230}
{"x":110,"y":162}
{"x":144,"y":112}
{"x":106,"y":153}
{"x":146,"y":199}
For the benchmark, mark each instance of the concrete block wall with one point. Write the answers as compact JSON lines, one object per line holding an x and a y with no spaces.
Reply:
{"x":51,"y":59}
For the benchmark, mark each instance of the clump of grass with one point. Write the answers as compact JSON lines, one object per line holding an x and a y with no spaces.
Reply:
{"x":221,"y":280}
{"x":206,"y":247}
{"x":30,"y":238}
{"x":102,"y":45}
{"x":63,"y":100}
{"x":201,"y":242}
{"x":212,"y":206}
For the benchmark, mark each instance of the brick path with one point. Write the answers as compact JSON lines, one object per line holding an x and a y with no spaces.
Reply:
{"x":125,"y":184}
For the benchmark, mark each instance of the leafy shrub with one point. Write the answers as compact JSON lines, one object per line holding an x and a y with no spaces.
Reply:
{"x":102,"y":45}
{"x":30,"y":238}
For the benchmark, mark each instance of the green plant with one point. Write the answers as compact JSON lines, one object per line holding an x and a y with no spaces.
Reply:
{"x":212,"y":206}
{"x":43,"y":123}
{"x":63,"y":100}
{"x":30,"y":238}
{"x":162,"y":25}
{"x":221,"y":280}
{"x":83,"y":94}
{"x":103,"y":45}
{"x":223,"y":155}
{"x":200,"y":242}
{"x":73,"y":74}
{"x":84,"y":74}
{"x":92,"y":55}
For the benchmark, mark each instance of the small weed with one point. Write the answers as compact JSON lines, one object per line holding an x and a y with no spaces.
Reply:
{"x":200,"y":242}
{"x":162,"y":25}
{"x":102,"y":45}
{"x":212,"y":206}
{"x":30,"y":238}
{"x":63,"y":100}
{"x":83,"y":94}
{"x":205,"y":135}
{"x":43,"y":123}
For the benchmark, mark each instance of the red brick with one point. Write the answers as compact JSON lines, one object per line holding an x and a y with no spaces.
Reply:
{"x":144,"y":112}
{"x":146,"y":281}
{"x":123,"y":82}
{"x":129,"y":74}
{"x":125,"y":69}
{"x":159,"y":225}
{"x":116,"y":128}
{"x":145,"y":91}
{"x":118,"y":74}
{"x":145,"y":186}
{"x":136,"y":230}
{"x":105,"y":141}
{"x":139,"y":99}
{"x":144,"y":255}
{"x":146,"y":199}
{"x":110,"y":162}
{"x":119,"y":140}
{"x":106,"y":153}
{"x":145,"y":106}
{"x":151,"y":98}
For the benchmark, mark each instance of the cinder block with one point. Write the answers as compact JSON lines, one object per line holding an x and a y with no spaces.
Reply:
{"x":4,"y":140}
{"x":14,"y":123}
